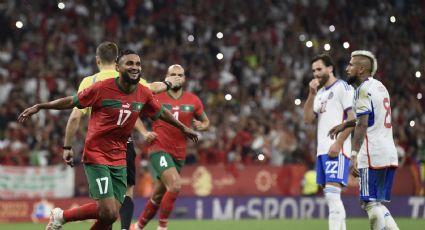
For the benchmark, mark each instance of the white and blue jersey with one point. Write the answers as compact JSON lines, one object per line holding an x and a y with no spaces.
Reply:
{"x":331,"y":105}
{"x":377,"y":158}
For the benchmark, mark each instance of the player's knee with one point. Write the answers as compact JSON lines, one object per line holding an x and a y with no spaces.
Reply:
{"x":108,"y":215}
{"x":175,"y":186}
{"x":368,"y":205}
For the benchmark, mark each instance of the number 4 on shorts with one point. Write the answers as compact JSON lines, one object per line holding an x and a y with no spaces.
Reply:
{"x":163,"y":162}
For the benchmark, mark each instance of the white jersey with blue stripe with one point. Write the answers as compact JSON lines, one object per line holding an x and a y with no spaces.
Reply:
{"x":330,"y":106}
{"x":378,"y":149}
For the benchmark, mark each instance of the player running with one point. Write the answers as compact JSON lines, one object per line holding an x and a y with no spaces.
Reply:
{"x":116,"y":104}
{"x":168,"y":150}
{"x":106,"y":54}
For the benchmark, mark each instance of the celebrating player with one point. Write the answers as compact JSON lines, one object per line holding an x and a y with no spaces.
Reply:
{"x":116,"y":104}
{"x":330,"y":100}
{"x":373,"y":155}
{"x":106,"y":53}
{"x":168,"y":150}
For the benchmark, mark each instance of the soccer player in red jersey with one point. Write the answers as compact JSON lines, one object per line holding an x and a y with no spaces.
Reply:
{"x":116,"y":104}
{"x":167,"y":152}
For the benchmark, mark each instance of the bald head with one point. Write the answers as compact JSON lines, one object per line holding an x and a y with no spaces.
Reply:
{"x":176,"y":71}
{"x":173,"y":67}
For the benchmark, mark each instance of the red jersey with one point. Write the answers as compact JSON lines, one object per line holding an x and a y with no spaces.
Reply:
{"x":113,"y":116}
{"x":170,"y":139}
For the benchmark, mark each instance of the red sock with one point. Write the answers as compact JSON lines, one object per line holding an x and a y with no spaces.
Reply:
{"x":99,"y":225}
{"x":166,"y":206}
{"x":84,"y":212}
{"x":148,"y":213}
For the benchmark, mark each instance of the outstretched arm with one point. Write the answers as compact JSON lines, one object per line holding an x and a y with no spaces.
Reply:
{"x":59,"y":104}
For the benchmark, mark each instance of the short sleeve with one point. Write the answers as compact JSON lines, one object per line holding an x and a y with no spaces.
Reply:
{"x":152,"y":108}
{"x":346,"y":96}
{"x":88,"y":97}
{"x":199,"y":109}
{"x":363,"y":102}
{"x":85,"y":83}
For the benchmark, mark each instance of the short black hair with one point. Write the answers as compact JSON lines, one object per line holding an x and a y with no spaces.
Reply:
{"x":123,"y":53}
{"x":326,"y":59}
{"x":107,"y":52}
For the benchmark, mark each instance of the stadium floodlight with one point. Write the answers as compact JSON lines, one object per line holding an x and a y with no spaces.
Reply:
{"x":332,"y":28}
{"x":261,"y":157}
{"x":346,"y":45}
{"x":61,"y":5}
{"x":309,"y":44}
{"x":219,"y":35}
{"x":412,"y":123}
{"x":19,"y":24}
{"x":419,"y":96}
{"x":418,"y":74}
{"x":297,"y":101}
{"x":220,"y":56}
{"x":228,"y":97}
{"x":392,"y":19}
{"x":327,"y":47}
{"x":301,"y":37}
{"x":190,"y":38}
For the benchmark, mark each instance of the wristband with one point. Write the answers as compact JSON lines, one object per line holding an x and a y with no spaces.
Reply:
{"x":168,"y":84}
{"x":354,"y":153}
{"x":66,"y":147}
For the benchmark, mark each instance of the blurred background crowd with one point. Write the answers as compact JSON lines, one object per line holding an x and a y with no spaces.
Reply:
{"x":256,"y":55}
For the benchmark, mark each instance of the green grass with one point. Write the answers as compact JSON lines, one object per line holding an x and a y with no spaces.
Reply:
{"x":315,"y":224}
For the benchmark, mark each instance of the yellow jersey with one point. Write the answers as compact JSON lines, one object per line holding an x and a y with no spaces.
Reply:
{"x":102,"y":75}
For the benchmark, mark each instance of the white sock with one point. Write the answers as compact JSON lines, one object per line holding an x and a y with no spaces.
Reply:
{"x":336,"y":208}
{"x":390,"y":223}
{"x":376,"y":215}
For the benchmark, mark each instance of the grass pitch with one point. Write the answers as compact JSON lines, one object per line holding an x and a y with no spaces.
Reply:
{"x":315,"y":224}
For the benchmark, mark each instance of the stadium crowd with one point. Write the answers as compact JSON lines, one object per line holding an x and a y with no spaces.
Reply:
{"x":264,"y":68}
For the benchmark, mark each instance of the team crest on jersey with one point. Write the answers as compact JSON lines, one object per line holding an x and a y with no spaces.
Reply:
{"x":331,"y":95}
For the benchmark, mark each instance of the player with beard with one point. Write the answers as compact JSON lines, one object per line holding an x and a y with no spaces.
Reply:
{"x":116,"y":105}
{"x":167,"y":152}
{"x":374,"y":155}
{"x":106,"y":55}
{"x":330,"y":101}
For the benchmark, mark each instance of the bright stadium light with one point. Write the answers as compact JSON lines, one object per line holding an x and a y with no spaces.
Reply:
{"x":419,"y":96}
{"x":219,"y":35}
{"x":297,"y":101}
{"x":220,"y":56}
{"x":346,"y":45}
{"x":301,"y":37}
{"x":19,"y":24}
{"x":392,"y":19}
{"x":228,"y":97}
{"x":261,"y":157}
{"x":327,"y":47}
{"x":309,"y":44}
{"x":61,"y":5}
{"x":190,"y":38}
{"x":412,"y":123}
{"x":332,"y":28}
{"x":418,"y":74}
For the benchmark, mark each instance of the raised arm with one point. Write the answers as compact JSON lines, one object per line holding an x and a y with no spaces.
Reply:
{"x":308,"y":106}
{"x":162,"y":86}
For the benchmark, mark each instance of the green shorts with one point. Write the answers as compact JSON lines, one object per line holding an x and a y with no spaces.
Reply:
{"x":161,"y":161}
{"x":106,"y":181}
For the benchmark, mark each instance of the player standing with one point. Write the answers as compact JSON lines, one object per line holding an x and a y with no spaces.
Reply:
{"x":116,"y":104}
{"x":373,"y":156}
{"x":330,"y":100}
{"x":167,"y":152}
{"x":106,"y":54}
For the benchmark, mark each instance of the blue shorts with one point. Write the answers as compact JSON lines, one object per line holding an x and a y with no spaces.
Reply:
{"x":376,"y":184}
{"x":332,"y":169}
